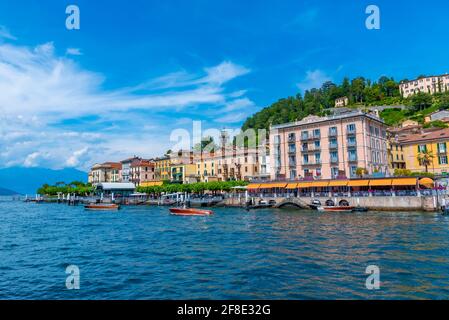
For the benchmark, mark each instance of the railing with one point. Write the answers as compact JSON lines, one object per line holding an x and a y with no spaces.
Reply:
{"x":333,"y":145}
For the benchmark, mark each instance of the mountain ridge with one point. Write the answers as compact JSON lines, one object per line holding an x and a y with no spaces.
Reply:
{"x":27,"y":180}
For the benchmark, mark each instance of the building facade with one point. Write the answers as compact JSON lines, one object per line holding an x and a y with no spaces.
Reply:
{"x":329,"y":147}
{"x":162,"y":168}
{"x":142,"y":170}
{"x":434,"y":143}
{"x":429,"y":85}
{"x":126,"y":169}
{"x":105,"y":172}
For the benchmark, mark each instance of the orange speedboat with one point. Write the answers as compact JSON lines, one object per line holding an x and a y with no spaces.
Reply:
{"x":101,"y":207}
{"x":190,"y":212}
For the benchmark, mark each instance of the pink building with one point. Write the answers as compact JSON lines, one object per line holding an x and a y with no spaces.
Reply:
{"x":328,"y":147}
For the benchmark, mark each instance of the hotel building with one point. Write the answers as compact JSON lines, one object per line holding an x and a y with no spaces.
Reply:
{"x":162,"y":168}
{"x":126,"y":169}
{"x":430,"y":85}
{"x":329,"y":147}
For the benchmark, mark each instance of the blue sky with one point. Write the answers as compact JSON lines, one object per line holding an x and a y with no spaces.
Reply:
{"x":137,"y":70}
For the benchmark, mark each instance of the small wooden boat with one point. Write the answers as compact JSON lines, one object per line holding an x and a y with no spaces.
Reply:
{"x":102,"y":207}
{"x":190,"y":212}
{"x":335,"y":209}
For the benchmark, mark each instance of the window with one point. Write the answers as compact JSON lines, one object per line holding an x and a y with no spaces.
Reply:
{"x":333,"y":131}
{"x":334,"y":172}
{"x":317,"y":158}
{"x":318,"y":172}
{"x":351,"y":128}
{"x":333,"y":143}
{"x":291,"y":137}
{"x":306,"y":159}
{"x":317,"y":133}
{"x":334,"y":156}
{"x":442,"y":159}
{"x":442,"y":147}
{"x":352,"y":141}
{"x":305,"y":135}
{"x":317,"y":144}
{"x":292,"y":174}
{"x":353,"y":171}
{"x":352,"y":155}
{"x":422,"y":148}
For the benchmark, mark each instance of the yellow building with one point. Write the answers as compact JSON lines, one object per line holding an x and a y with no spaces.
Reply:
{"x":396,"y":158}
{"x":183,"y":173}
{"x":206,"y":167}
{"x":434,"y":143}
{"x":162,"y":169}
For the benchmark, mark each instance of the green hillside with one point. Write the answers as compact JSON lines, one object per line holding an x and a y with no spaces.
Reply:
{"x":361,"y":93}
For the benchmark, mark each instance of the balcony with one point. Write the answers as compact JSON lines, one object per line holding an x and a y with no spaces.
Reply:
{"x":334,"y":160}
{"x":291,"y":138}
{"x":351,"y":132}
{"x":292,"y":151}
{"x":305,"y":137}
{"x":352,"y":144}
{"x":312,"y":163}
{"x":333,"y":145}
{"x":333,"y":133}
{"x":353,"y":159}
{"x":292,"y":163}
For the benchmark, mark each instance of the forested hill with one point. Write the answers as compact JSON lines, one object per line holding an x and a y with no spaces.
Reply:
{"x":360,"y":91}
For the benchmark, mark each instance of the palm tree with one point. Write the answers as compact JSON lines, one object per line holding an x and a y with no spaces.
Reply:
{"x":425,"y":158}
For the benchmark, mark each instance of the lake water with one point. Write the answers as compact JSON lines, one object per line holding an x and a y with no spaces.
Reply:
{"x":144,"y":253}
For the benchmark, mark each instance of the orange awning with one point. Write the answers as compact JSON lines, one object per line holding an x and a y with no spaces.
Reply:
{"x":305,"y":184}
{"x":338,"y":183}
{"x":405,"y":182}
{"x":253,"y":186}
{"x":272,"y":185}
{"x":427,"y":182}
{"x":381,"y":183}
{"x":358,"y":183}
{"x":292,"y":186}
{"x":319,"y":184}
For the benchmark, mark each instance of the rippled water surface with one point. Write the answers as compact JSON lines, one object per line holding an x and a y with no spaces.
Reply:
{"x":144,"y":253}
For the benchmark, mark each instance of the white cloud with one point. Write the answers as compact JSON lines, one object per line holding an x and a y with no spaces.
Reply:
{"x":41,"y":92}
{"x":313,"y":79}
{"x":73,"y":52}
{"x":4,"y":33}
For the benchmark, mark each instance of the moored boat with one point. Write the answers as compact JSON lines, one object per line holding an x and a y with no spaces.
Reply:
{"x":190,"y":212}
{"x":101,"y":206}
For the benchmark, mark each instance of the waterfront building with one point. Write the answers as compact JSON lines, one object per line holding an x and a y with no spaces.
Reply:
{"x":183,"y":173}
{"x":162,"y":168}
{"x":431,"y":85}
{"x":234,"y":163}
{"x":431,"y":142}
{"x":142,"y":170}
{"x":105,"y":172}
{"x":126,"y":168}
{"x":205,"y":163}
{"x":329,"y":147}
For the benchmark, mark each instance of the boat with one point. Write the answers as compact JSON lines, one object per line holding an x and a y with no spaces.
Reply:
{"x":342,"y":209}
{"x":190,"y":212}
{"x":101,"y":206}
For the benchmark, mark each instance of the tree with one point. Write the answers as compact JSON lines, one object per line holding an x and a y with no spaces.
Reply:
{"x":425,"y":158}
{"x":444,"y":101}
{"x":360,"y":172}
{"x":421,"y":101}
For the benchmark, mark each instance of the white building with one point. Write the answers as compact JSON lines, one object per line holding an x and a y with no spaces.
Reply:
{"x":430,"y":85}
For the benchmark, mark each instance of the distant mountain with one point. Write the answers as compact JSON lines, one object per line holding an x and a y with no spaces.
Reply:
{"x":7,"y":192}
{"x":28,"y":180}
